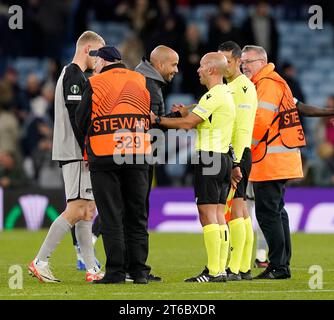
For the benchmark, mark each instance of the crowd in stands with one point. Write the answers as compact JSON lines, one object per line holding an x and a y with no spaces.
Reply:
{"x":49,"y":33}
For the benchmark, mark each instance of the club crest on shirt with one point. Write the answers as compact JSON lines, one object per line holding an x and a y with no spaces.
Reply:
{"x":75,"y":89}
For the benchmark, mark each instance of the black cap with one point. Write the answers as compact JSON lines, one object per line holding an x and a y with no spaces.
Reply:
{"x":107,"y":53}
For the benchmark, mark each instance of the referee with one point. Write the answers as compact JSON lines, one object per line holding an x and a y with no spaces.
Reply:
{"x":213,"y":117}
{"x":115,"y":116}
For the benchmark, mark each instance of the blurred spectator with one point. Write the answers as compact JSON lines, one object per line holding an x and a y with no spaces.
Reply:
{"x":37,"y":143}
{"x":32,"y":40}
{"x":16,"y":103}
{"x":31,"y":91}
{"x":11,"y":173}
{"x":168,"y":34}
{"x":323,"y":170}
{"x":132,"y":50}
{"x":168,"y":26}
{"x":221,"y":30}
{"x":166,"y":9}
{"x":142,"y":17}
{"x":52,"y":17}
{"x":289,"y":75}
{"x":54,"y":70}
{"x":227,"y":7}
{"x":9,"y":132}
{"x":111,"y":10}
{"x":325,"y":128}
{"x":260,"y":29}
{"x":191,"y":53}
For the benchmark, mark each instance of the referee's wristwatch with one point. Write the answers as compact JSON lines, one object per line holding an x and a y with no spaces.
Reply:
{"x":157,"y":120}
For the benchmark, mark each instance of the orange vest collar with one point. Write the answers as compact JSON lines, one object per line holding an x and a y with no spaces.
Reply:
{"x":265,"y":71}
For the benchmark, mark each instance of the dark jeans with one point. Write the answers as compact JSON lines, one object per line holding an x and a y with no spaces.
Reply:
{"x":273,"y":220}
{"x":120,"y":197}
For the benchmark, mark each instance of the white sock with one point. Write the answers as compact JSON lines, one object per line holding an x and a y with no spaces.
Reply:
{"x":77,"y":250}
{"x":56,"y":233}
{"x":261,"y":255}
{"x":94,"y":239}
{"x":83,"y":233}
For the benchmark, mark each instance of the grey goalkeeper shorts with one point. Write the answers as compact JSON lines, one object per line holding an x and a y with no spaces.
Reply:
{"x":77,"y":181}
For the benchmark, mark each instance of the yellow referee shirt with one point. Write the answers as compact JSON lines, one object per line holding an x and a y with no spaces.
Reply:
{"x":217,"y":109}
{"x":245,"y":99}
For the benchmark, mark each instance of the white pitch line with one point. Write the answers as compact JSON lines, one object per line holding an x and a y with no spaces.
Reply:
{"x":173,"y":293}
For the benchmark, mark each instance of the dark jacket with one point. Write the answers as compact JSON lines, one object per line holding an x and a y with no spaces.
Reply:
{"x":154,"y":84}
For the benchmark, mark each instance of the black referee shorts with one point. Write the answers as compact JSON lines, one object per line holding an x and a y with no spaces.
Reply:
{"x":212,"y":188}
{"x":245,"y":166}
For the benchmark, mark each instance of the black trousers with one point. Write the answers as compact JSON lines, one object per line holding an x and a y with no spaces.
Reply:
{"x":273,"y":220}
{"x":150,"y":181}
{"x":120,"y":197}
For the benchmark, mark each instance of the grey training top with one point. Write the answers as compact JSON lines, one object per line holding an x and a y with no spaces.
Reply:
{"x":66,"y":137}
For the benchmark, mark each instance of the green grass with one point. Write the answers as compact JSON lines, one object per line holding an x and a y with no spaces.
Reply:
{"x":174,"y":257}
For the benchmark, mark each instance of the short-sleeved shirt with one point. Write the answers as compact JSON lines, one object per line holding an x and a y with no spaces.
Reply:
{"x":245,"y":99}
{"x":67,"y":142}
{"x":217,"y":109}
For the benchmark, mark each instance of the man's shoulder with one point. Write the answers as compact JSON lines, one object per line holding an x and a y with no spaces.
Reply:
{"x":72,"y":70}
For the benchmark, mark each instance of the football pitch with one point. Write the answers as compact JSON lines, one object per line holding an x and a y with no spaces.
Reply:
{"x":172,"y":256}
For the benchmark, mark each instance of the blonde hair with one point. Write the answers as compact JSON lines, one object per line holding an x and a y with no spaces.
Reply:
{"x":89,"y":36}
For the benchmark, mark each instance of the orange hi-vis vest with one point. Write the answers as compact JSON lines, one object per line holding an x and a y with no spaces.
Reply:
{"x":120,"y":116}
{"x":277,"y":133}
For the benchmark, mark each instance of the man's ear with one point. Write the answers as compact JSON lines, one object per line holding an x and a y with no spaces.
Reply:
{"x":87,"y":48}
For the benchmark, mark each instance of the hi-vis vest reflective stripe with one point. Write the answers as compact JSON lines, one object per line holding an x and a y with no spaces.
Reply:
{"x":289,"y":130}
{"x":120,"y":116}
{"x":276,"y":139}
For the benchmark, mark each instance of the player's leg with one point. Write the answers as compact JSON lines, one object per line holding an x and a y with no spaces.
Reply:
{"x":237,"y":238}
{"x":80,"y":262}
{"x":212,"y":236}
{"x":75,"y":210}
{"x":243,"y":224}
{"x":83,"y":228}
{"x":209,"y":192}
{"x":96,"y":229}
{"x":225,"y":240}
{"x":246,"y":259}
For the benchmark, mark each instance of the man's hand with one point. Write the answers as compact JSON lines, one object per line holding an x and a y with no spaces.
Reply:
{"x":236,"y":177}
{"x":153,"y":116}
{"x":180,"y":108}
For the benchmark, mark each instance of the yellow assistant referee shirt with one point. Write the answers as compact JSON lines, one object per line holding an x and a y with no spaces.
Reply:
{"x":245,"y":99}
{"x":217,"y":109}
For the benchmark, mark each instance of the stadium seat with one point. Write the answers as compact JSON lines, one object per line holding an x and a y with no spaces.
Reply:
{"x":114,"y":33}
{"x":25,"y":66}
{"x":204,"y":11}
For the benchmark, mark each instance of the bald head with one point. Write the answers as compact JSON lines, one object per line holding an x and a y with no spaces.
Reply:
{"x":216,"y":61}
{"x":165,"y":61}
{"x":213,"y":65}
